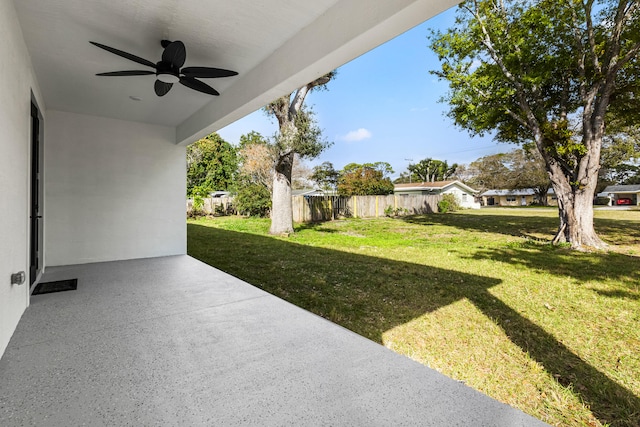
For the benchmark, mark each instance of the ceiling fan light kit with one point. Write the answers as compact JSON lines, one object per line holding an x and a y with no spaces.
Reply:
{"x":169,"y":70}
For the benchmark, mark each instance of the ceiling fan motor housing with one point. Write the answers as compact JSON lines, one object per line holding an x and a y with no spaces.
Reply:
{"x":166,"y":72}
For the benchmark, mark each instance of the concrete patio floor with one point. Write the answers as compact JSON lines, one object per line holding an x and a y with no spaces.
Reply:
{"x":173,"y":341}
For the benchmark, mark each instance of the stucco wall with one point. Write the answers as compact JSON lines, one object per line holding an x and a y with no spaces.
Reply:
{"x":114,"y":190}
{"x":16,"y":83}
{"x":466,"y":200}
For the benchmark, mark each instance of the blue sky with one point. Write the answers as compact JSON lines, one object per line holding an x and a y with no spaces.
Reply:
{"x":383,"y":106}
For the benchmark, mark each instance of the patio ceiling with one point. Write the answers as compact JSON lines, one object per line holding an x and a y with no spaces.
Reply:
{"x":275,"y":45}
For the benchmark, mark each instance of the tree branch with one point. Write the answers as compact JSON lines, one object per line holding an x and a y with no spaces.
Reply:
{"x":532,"y":121}
{"x":588,"y":8}
{"x":516,"y":117}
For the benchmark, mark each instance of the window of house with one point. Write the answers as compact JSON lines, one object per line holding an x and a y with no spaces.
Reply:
{"x":511,"y":199}
{"x":464,"y":197}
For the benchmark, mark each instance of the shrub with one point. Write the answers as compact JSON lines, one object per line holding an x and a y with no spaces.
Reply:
{"x":197,"y":207}
{"x":253,"y":200}
{"x":449,"y":203}
{"x":391,"y":212}
{"x":601,"y":201}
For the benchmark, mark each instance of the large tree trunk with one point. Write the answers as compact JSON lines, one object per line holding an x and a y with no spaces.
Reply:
{"x":575,"y":204}
{"x":281,"y":209}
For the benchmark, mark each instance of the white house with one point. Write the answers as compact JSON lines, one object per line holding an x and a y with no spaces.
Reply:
{"x":518,"y":197}
{"x":464,"y":193}
{"x":93,"y":168}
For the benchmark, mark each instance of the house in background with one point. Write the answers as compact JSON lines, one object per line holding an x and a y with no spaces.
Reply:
{"x":521,"y":197}
{"x":464,"y":193}
{"x":622,"y":194}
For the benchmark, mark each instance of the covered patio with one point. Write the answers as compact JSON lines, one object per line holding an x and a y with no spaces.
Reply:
{"x":172,"y":341}
{"x":93,"y":187}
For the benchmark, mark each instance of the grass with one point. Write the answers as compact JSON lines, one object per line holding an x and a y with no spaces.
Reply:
{"x":478,"y":295}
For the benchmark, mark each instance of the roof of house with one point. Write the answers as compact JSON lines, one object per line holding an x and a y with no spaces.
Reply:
{"x":518,"y":192}
{"x":432,"y":186}
{"x":622,"y":189}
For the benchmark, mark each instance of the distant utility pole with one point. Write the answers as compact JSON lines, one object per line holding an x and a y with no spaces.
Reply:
{"x":409,"y":160}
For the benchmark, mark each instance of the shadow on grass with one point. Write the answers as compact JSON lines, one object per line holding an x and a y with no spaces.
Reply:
{"x":619,"y":294}
{"x":614,"y":231}
{"x":372,"y":295}
{"x":581,"y":266}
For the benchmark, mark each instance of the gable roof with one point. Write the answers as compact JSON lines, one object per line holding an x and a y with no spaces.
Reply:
{"x":433,"y":186}
{"x":622,"y":189}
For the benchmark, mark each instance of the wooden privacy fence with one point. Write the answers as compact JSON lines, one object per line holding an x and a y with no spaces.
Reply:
{"x":325,"y":208}
{"x":214,"y":205}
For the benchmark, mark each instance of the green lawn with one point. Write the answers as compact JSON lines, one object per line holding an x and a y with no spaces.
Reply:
{"x":478,"y":295}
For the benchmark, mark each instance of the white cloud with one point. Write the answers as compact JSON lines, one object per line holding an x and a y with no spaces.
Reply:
{"x":357,"y":135}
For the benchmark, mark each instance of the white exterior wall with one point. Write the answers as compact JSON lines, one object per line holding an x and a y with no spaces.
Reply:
{"x":17,"y":80}
{"x":469,"y":203}
{"x":114,"y":190}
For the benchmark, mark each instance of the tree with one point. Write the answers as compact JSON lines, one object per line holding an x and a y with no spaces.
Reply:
{"x":431,"y":170}
{"x":365,"y":180}
{"x":301,"y":174}
{"x":212,"y":164}
{"x":405,"y":178}
{"x":546,"y":72}
{"x":620,"y":153}
{"x":256,"y":160}
{"x":527,"y":170}
{"x":489,"y":172}
{"x":514,"y":170}
{"x":255,"y":175}
{"x":325,"y":176}
{"x":299,"y":134}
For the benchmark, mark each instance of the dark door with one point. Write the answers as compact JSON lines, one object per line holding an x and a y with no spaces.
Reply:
{"x":35,"y":217}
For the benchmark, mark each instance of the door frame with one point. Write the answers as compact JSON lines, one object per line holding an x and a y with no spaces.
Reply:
{"x":36,"y":195}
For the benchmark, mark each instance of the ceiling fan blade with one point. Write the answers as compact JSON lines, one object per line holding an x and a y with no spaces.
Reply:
{"x":207,"y":72}
{"x":162,"y":88}
{"x":127,"y":73}
{"x":194,"y":84}
{"x":125,"y":55}
{"x":175,"y":53}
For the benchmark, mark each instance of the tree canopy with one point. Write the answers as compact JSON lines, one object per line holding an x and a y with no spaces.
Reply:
{"x":212,"y":164}
{"x":365,"y":179}
{"x":431,"y":170}
{"x":325,"y":176}
{"x":517,"y":169}
{"x":255,"y":175}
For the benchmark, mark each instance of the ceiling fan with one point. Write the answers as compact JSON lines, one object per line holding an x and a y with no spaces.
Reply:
{"x":168,"y":71}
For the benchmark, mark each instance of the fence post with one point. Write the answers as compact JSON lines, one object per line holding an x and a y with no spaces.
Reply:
{"x":376,"y":206}
{"x":355,"y":206}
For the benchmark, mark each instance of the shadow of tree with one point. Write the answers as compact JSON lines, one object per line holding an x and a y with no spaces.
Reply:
{"x":580,"y":266}
{"x":614,"y":231}
{"x":619,"y":294}
{"x":371,"y":295}
{"x":511,"y":225}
